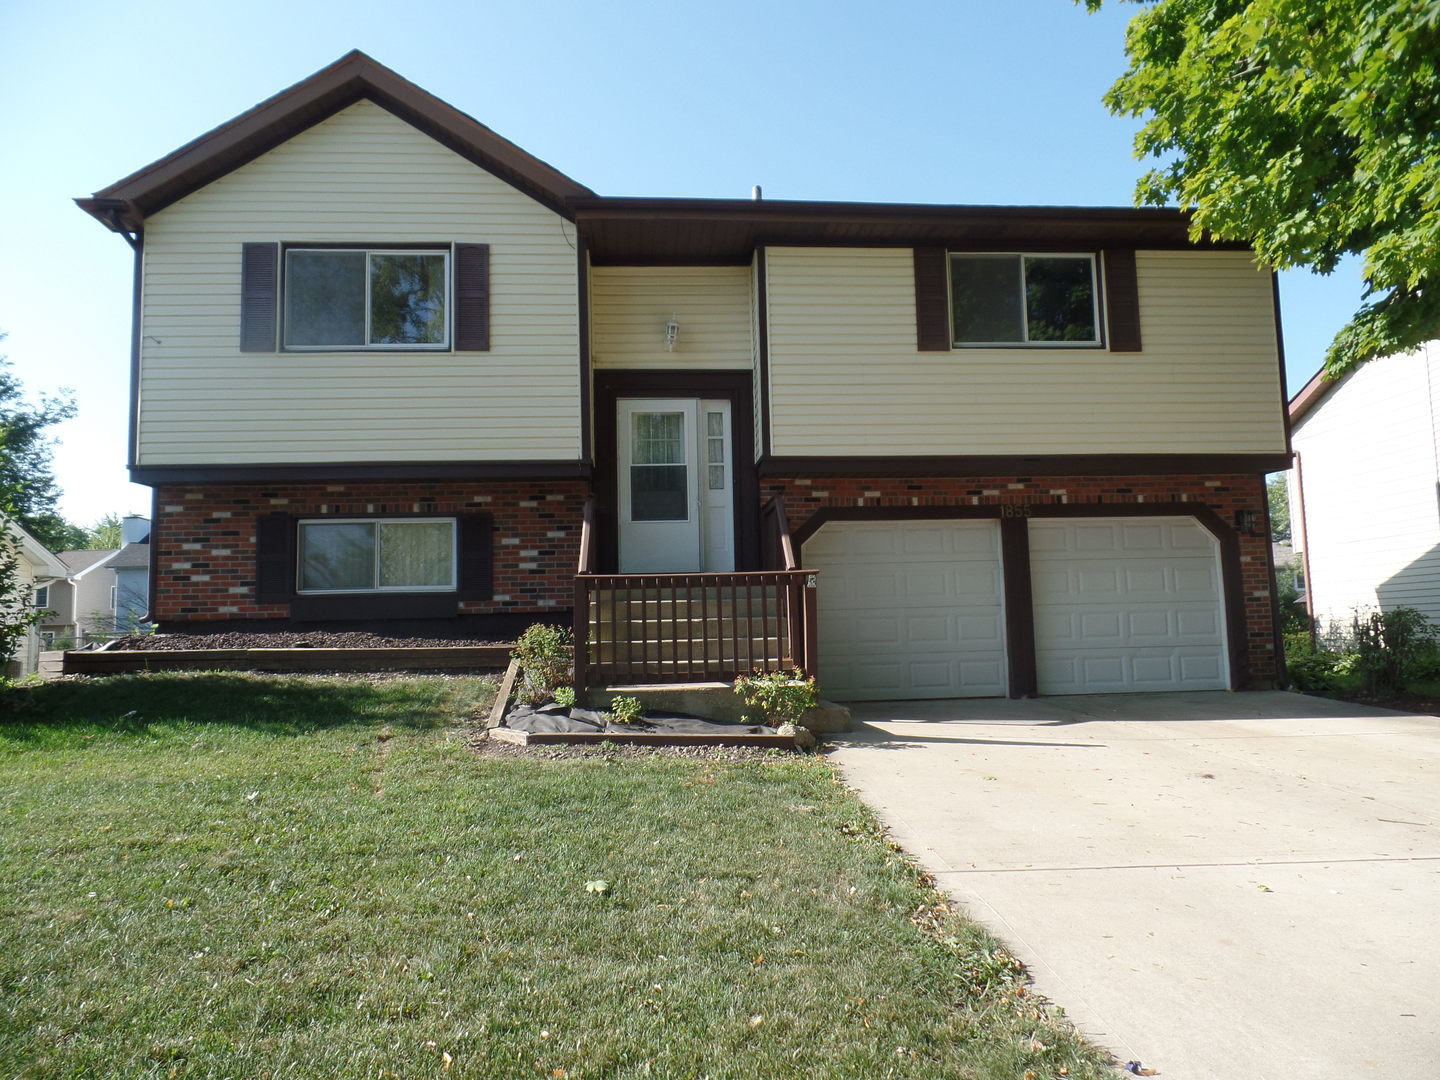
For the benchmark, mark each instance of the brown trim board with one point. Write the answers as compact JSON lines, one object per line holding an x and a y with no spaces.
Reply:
{"x":137,"y":289}
{"x":1021,"y":664}
{"x":734,"y":386}
{"x":582,"y":264}
{"x":1026,"y":465}
{"x":762,"y":347}
{"x":1231,"y":586}
{"x":351,"y":470}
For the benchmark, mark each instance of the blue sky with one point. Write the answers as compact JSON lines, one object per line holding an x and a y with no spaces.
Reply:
{"x":958,"y":101}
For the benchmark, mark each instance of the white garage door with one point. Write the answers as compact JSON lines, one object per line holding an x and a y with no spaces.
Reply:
{"x":909,"y":609}
{"x":1127,"y":604}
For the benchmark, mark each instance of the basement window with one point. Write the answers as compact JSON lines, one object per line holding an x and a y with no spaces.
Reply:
{"x":350,"y":556}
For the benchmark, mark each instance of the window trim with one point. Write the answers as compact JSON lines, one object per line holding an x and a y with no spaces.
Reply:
{"x":379,"y":590}
{"x":1096,"y":288}
{"x":331,"y":247}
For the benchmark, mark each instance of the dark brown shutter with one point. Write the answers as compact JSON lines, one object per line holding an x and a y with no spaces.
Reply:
{"x":274,"y":558}
{"x":259,"y":281}
{"x":1122,"y":301}
{"x":472,"y":297}
{"x":932,"y":301}
{"x":476,"y":562}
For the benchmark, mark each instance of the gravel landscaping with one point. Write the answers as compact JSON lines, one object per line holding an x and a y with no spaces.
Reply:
{"x":290,"y":639}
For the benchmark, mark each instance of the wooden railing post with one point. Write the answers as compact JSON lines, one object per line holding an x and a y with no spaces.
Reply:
{"x":580,"y":637}
{"x":811,"y":663}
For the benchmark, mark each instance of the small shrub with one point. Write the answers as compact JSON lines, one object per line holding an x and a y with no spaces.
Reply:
{"x":626,"y":710}
{"x":565,"y":695}
{"x":1391,"y":647}
{"x":544,"y":655}
{"x":784,"y":696}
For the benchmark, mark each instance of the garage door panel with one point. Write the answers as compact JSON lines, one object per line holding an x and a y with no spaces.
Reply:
{"x":1139,"y":611}
{"x":909,"y":609}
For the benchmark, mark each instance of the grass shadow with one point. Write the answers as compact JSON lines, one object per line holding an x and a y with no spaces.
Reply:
{"x":279,"y":705}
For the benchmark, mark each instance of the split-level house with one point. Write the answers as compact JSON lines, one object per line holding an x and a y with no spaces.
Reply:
{"x":389,"y":368}
{"x":1376,"y":431}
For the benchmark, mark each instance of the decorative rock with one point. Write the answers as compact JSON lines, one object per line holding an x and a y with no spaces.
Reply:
{"x":803,"y":736}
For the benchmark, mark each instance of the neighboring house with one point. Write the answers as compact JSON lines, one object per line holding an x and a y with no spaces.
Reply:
{"x":38,"y":570}
{"x":131,"y":566}
{"x":106,"y":591}
{"x":1375,"y":432}
{"x":386,"y":358}
{"x":81,"y":606}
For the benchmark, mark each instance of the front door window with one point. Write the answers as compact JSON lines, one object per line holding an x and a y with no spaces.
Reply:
{"x":659,"y":487}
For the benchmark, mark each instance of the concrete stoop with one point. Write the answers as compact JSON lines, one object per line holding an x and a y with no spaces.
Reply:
{"x":713,"y":701}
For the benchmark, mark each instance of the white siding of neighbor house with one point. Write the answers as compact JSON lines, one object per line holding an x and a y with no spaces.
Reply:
{"x":846,"y":377}
{"x":362,"y":176}
{"x":1370,"y":530}
{"x":630,"y":306}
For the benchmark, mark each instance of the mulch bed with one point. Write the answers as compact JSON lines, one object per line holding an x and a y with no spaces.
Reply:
{"x":313,"y":639}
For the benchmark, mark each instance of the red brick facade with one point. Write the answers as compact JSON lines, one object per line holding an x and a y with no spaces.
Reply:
{"x":205,"y":547}
{"x":204,"y":538}
{"x":1225,"y":495}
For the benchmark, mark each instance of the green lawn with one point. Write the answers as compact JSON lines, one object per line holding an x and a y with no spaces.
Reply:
{"x":235,"y":876}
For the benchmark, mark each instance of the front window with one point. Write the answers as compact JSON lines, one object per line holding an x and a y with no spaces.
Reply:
{"x":353,"y":299}
{"x":1037,"y":300}
{"x":42,"y":596}
{"x":413,"y":555}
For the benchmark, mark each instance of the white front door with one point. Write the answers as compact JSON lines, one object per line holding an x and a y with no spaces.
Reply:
{"x":676,"y":485}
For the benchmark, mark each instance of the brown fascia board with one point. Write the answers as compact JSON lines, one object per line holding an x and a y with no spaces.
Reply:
{"x":1310,"y":395}
{"x":352,"y":78}
{"x":785,"y":221}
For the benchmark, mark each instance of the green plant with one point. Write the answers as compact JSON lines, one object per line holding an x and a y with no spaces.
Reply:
{"x":1391,"y":647}
{"x":1311,"y":668}
{"x":626,"y":710}
{"x":565,"y":695}
{"x":544,"y":655}
{"x":784,"y":696}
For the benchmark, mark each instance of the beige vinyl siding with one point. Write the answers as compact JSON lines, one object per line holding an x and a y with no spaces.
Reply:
{"x":1368,"y":463}
{"x":846,"y":377}
{"x":362,"y":176}
{"x":630,"y":306}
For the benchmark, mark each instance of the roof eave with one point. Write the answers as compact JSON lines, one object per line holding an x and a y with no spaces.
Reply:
{"x":1310,"y":395}
{"x":354,"y":77}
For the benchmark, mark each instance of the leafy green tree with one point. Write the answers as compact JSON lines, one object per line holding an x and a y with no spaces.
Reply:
{"x":1306,"y":128}
{"x":1277,"y":491}
{"x":28,"y":491}
{"x":105,"y":533}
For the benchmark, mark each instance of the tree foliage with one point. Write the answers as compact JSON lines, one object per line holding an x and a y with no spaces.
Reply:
{"x":28,"y":491}
{"x":105,"y":533}
{"x":1307,"y":128}
{"x":1277,"y":492}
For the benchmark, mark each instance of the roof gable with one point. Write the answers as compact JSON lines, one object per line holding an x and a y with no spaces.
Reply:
{"x":124,"y":205}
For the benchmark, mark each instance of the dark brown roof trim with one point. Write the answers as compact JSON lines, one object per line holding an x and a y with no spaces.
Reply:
{"x":331,"y":471}
{"x":642,"y":232}
{"x":1028,"y":465}
{"x":355,"y":76}
{"x":1310,"y":395}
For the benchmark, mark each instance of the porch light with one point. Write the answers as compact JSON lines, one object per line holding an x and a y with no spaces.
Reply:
{"x":672,"y":331}
{"x":1245,"y":522}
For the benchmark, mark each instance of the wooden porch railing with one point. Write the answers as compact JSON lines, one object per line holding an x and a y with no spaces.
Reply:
{"x":673,"y":628}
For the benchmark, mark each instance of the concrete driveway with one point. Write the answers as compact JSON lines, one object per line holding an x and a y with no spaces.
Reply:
{"x":1214,"y":884}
